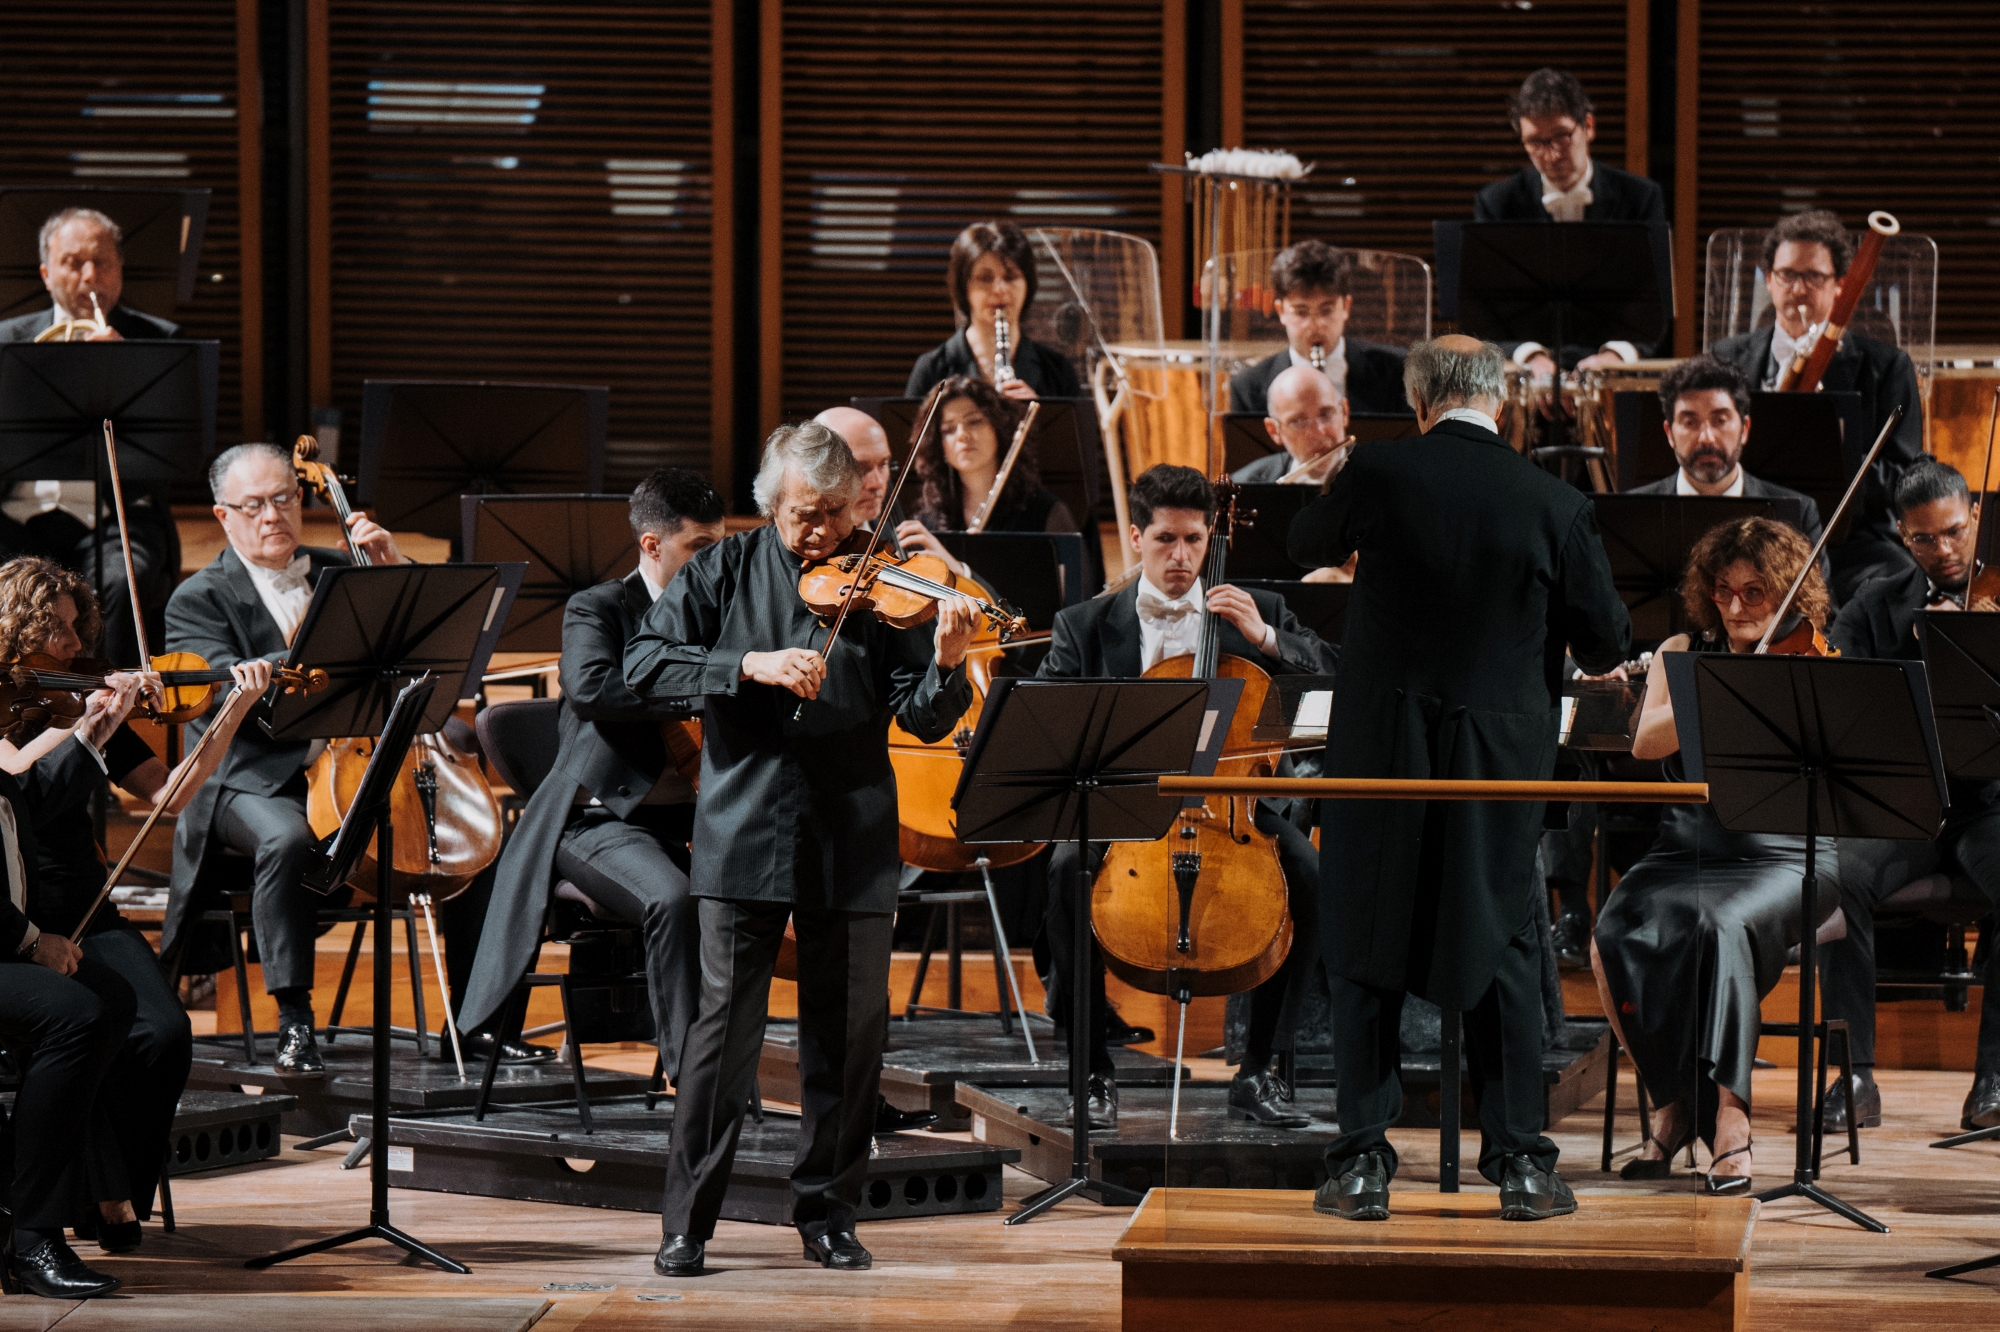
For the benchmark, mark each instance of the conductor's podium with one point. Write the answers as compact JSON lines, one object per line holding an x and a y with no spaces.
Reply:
{"x":1263,"y":1259}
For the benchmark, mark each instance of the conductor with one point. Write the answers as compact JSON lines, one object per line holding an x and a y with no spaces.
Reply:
{"x":1479,"y":569}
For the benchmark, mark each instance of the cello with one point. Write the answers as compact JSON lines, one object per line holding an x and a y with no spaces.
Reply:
{"x":1203,"y":910}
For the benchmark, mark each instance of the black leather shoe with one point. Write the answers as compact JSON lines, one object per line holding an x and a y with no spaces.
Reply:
{"x":111,"y":1236}
{"x":480,"y":1047}
{"x":679,"y":1256}
{"x":1572,"y":939}
{"x":1727,"y":1186}
{"x":1358,"y":1193}
{"x":839,"y":1250}
{"x":1982,"y":1103}
{"x":298,"y":1052}
{"x":890,"y":1119}
{"x":1100,"y":1103}
{"x":52,"y":1270}
{"x":1120,"y":1032}
{"x":1530,"y":1193}
{"x":1259,"y":1098}
{"x":1867,"y":1104}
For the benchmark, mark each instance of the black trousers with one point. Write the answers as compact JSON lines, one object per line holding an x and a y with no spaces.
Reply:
{"x":70,"y":1030}
{"x":843,"y":1012}
{"x":1870,"y":871}
{"x":1503,"y":1051}
{"x":637,"y":870}
{"x":134,"y":1113}
{"x":1268,"y":1002}
{"x":273,"y":832}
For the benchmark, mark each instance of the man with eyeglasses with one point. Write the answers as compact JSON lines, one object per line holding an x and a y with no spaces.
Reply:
{"x":1314,"y":286}
{"x":1554,"y":119}
{"x":1804,"y":258}
{"x":1939,"y":523}
{"x":248,"y":602}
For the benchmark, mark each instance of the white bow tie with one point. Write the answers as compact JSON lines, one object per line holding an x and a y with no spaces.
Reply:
{"x":1152,"y":606}
{"x":292,"y":578}
{"x":1568,"y":205}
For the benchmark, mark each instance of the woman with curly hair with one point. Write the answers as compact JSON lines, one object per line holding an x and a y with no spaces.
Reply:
{"x":1697,"y":932}
{"x":48,"y":783}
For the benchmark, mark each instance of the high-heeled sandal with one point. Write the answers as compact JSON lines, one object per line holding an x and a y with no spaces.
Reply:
{"x":1726,"y":1186}
{"x":1641,"y":1168}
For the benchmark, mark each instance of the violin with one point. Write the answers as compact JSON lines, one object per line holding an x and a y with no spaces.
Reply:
{"x":1203,"y":910}
{"x":899,"y":590}
{"x":446,"y":820}
{"x":1803,"y":641}
{"x":40,"y":690}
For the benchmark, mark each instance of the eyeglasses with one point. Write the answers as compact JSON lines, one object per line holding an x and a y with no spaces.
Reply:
{"x":254,"y":506}
{"x":1954,"y":536}
{"x":1550,"y":143}
{"x":1751,"y":597}
{"x":1799,"y":277}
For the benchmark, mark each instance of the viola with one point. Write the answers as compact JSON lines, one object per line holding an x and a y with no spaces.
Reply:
{"x":1203,"y":910}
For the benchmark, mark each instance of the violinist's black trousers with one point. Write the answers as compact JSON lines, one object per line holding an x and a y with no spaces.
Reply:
{"x":70,"y":1029}
{"x":843,"y":1012}
{"x":284,"y":913}
{"x":134,"y":1114}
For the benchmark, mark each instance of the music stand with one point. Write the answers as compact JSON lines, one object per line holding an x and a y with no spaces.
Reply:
{"x":1034,"y":573}
{"x":567,"y":542}
{"x":334,"y":860}
{"x":1802,"y":441}
{"x":1076,"y":761}
{"x":158,"y":395}
{"x":1805,"y":746}
{"x":1647,"y":539}
{"x":162,"y":247}
{"x":1567,"y":286}
{"x":1067,"y":446}
{"x":1257,"y":549}
{"x":1321,"y":607}
{"x":426,"y":442}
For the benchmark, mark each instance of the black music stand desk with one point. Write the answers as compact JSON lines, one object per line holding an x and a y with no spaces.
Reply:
{"x":158,"y":395}
{"x":567,"y":542}
{"x":163,"y":225}
{"x":1647,"y":539}
{"x":1810,"y":746}
{"x":1076,"y":761}
{"x":1566,"y":286}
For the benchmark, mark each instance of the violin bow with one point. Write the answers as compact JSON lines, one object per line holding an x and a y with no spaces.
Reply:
{"x":874,"y":544}
{"x":1826,"y":532}
{"x":125,"y":545}
{"x":1985,"y":479}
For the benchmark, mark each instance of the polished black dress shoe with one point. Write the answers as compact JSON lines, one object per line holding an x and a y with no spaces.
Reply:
{"x":1259,"y":1098}
{"x":1120,"y":1032}
{"x":480,"y":1046}
{"x":111,"y":1236}
{"x":1530,"y":1193}
{"x":51,"y":1269}
{"x":1982,"y":1103}
{"x":298,"y":1052}
{"x":679,"y":1256}
{"x":838,"y":1250}
{"x":1100,"y":1103}
{"x":1727,"y":1186}
{"x":1571,"y":933}
{"x":1641,"y":1168}
{"x":1358,"y":1193}
{"x":890,"y":1119}
{"x":1867,"y":1104}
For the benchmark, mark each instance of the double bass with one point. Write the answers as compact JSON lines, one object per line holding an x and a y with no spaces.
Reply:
{"x":447,"y":823}
{"x":1203,"y":910}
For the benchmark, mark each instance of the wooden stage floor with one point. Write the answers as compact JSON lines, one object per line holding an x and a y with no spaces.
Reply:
{"x":1809,"y":1269}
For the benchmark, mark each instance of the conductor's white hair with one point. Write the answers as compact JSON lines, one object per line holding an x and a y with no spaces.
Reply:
{"x":1439,"y":378}
{"x":815,"y":454}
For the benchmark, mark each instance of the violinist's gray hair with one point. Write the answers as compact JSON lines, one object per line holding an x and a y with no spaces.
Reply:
{"x":819,"y":457}
{"x":1438,"y":376}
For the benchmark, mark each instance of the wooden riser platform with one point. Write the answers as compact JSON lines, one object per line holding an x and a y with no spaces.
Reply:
{"x":929,"y":1056}
{"x":543,"y":1155}
{"x":1266,"y":1260}
{"x":323,"y":1102}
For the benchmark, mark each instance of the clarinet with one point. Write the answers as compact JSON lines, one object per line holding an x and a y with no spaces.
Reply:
{"x":1003,"y":349}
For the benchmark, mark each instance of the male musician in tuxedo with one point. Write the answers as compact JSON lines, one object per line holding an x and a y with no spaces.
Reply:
{"x":1306,"y":417}
{"x":1314,"y":284}
{"x":1553,"y":117}
{"x":1478,"y":569}
{"x":248,"y":602}
{"x":1804,"y":259}
{"x":615,"y":814}
{"x":81,"y":256}
{"x":869,"y":443}
{"x":797,"y":820}
{"x":1939,"y":524}
{"x":1124,"y":634}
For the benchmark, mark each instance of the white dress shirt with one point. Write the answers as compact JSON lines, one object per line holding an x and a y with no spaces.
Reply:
{"x":1168,"y":626}
{"x":17,"y":874}
{"x":1683,"y":487}
{"x":1783,"y":348}
{"x":653,"y":589}
{"x":284,"y":592}
{"x":1471,"y":414}
{"x":1336,"y":363}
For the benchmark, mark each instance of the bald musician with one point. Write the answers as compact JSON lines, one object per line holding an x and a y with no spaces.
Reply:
{"x":1306,"y":417}
{"x":869,"y":443}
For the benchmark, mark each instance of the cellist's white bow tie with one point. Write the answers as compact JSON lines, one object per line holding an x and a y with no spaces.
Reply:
{"x":1152,"y":606}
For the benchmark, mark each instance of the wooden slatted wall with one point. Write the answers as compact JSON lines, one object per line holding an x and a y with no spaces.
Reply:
{"x":1856,"y":106}
{"x":1403,"y":103}
{"x":522,"y":192}
{"x":902,"y":123}
{"x":137,"y":93}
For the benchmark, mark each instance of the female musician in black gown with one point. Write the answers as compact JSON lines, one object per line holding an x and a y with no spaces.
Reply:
{"x":1697,"y":932}
{"x":992,"y":271}
{"x":45,"y":608}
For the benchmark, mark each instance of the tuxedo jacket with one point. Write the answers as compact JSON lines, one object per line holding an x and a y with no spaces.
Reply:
{"x":1885,"y":379}
{"x":130,"y":324}
{"x":1099,"y":639}
{"x":1616,"y":196}
{"x":610,"y":749}
{"x":1374,"y":379}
